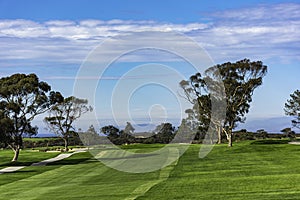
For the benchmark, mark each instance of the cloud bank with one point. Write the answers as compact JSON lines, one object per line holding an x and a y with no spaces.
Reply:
{"x":262,"y":32}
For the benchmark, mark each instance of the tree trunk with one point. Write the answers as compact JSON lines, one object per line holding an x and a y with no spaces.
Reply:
{"x":66,"y":144}
{"x":16,"y":155}
{"x":229,"y":136}
{"x":229,"y":140}
{"x":219,"y":135}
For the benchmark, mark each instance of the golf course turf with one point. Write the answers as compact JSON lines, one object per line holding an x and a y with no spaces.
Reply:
{"x":249,"y":170}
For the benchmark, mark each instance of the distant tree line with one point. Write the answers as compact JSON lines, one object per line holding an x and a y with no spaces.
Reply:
{"x":163,"y":133}
{"x":227,"y":87}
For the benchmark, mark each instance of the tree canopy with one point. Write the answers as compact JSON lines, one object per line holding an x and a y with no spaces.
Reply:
{"x":164,"y":133}
{"x":63,"y":115}
{"x":292,"y":108}
{"x":117,"y":136}
{"x":240,"y":79}
{"x":22,"y":97}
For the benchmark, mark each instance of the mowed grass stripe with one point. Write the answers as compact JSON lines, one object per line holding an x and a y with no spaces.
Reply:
{"x":163,"y":175}
{"x":247,"y":171}
{"x":66,"y":179}
{"x":26,"y":157}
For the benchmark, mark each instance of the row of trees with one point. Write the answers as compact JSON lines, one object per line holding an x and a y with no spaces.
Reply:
{"x":163,"y":133}
{"x":22,"y":98}
{"x":220,"y":100}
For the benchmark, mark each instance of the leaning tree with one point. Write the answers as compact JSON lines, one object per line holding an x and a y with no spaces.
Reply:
{"x":292,"y":108}
{"x":239,"y":81}
{"x":22,"y":98}
{"x":63,"y":115}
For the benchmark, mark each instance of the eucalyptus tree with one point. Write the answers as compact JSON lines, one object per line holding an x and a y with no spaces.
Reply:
{"x":62,"y":116}
{"x":292,"y":108}
{"x":201,"y":92}
{"x":6,"y":128}
{"x":239,"y":79}
{"x":22,"y":98}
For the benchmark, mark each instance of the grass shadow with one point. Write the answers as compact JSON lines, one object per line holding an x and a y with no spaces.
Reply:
{"x":71,"y":161}
{"x":131,"y":156}
{"x":20,"y":171}
{"x":15,"y":164}
{"x":270,"y":142}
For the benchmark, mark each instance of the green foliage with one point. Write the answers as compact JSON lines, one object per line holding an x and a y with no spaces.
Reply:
{"x":261,"y":133}
{"x":287,"y":132}
{"x":110,"y":131}
{"x":164,"y":133}
{"x":198,"y":91}
{"x":63,"y":115}
{"x":235,"y":82}
{"x":292,"y":108}
{"x":117,"y":136}
{"x":22,"y":98}
{"x":6,"y":128}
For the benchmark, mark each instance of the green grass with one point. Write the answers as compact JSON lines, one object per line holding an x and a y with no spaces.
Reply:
{"x":77,"y":177}
{"x":26,"y":157}
{"x":246,"y":171}
{"x":249,"y":170}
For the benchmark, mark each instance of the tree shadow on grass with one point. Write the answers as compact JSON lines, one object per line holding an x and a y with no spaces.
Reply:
{"x":72,"y":161}
{"x":131,"y":156}
{"x":270,"y":142}
{"x":15,"y":164}
{"x":21,"y":171}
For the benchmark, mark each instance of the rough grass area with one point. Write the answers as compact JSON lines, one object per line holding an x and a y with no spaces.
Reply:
{"x":249,"y":170}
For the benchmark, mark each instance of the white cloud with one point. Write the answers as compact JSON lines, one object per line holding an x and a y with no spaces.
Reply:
{"x":86,"y":29}
{"x":60,"y":23}
{"x":261,"y":32}
{"x":22,"y":29}
{"x":275,"y":12}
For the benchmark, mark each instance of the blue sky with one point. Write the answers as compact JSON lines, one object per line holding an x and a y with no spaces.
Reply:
{"x":166,"y":11}
{"x":53,"y":38}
